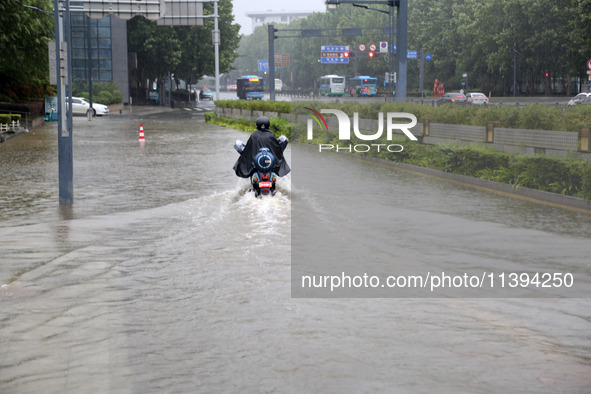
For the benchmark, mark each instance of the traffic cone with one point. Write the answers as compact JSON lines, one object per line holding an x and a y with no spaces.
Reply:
{"x":141,"y":133}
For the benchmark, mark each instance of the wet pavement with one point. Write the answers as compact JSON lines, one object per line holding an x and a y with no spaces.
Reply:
{"x":167,"y":275}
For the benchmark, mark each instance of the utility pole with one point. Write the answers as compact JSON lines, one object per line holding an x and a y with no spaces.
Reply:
{"x":271,"y":32}
{"x":401,"y":39}
{"x":64,"y":134}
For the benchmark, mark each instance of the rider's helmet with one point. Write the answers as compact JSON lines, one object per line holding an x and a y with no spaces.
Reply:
{"x":263,"y":123}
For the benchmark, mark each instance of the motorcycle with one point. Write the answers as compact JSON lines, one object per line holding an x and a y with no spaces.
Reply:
{"x":263,"y":180}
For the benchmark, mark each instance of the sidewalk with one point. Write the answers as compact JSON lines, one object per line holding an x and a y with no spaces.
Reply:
{"x":120,"y":109}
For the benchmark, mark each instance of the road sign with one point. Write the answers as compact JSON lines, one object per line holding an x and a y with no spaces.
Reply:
{"x":263,"y":65}
{"x":282,"y":60}
{"x":334,"y":54}
{"x":372,"y":47}
{"x":411,"y":54}
{"x":428,"y":57}
{"x":124,"y":9}
{"x":589,"y":64}
{"x":362,"y":47}
{"x":182,"y":13}
{"x":383,"y":47}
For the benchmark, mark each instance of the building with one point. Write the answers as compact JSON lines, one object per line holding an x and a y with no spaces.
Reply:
{"x":265,"y":18}
{"x":107,"y":40}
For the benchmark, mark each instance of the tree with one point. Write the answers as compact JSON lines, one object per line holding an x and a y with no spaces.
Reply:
{"x":157,"y":48}
{"x":186,"y":51}
{"x":24,"y":34}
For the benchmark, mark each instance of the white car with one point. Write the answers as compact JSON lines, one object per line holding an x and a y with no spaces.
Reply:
{"x":476,"y":99}
{"x":81,"y":106}
{"x":581,"y":98}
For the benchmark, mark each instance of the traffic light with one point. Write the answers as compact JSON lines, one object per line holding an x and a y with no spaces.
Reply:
{"x":547,"y":75}
{"x":346,"y":54}
{"x":371,"y":54}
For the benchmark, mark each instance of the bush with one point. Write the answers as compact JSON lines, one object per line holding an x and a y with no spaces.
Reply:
{"x":102,"y":92}
{"x":470,"y":160}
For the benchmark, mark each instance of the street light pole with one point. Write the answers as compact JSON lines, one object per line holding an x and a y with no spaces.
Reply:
{"x":216,"y":43}
{"x":65,"y":155}
{"x":401,"y":48}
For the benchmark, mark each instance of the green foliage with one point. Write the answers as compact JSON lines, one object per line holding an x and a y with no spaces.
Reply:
{"x":185,"y":51}
{"x":103,"y":92}
{"x":533,"y":116}
{"x":470,"y":160}
{"x":278,"y":126}
{"x":9,"y":118}
{"x":256,"y":105}
{"x":466,"y":36}
{"x":24,"y":34}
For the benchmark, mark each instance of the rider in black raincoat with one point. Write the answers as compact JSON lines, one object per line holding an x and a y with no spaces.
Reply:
{"x":263,"y":137}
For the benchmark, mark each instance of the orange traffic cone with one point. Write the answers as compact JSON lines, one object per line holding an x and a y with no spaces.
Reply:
{"x":141,"y":133}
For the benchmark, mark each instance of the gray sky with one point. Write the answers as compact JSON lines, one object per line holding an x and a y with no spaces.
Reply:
{"x":243,"y":7}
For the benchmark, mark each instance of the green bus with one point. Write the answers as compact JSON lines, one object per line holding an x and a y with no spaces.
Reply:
{"x":332,"y":85}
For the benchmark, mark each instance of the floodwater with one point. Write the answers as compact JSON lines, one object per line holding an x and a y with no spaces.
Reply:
{"x":167,"y":276}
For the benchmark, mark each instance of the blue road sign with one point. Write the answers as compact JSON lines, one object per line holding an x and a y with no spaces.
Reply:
{"x":334,"y":54}
{"x":428,"y":57}
{"x":409,"y":54}
{"x":263,"y":65}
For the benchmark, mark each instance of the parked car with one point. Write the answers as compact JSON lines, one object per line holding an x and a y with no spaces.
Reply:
{"x":476,"y":99}
{"x":452,"y":98}
{"x":81,"y":106}
{"x":205,"y":94}
{"x":581,"y":98}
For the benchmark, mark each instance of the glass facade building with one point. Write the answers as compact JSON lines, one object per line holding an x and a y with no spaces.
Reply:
{"x":100,"y":45}
{"x":96,"y":35}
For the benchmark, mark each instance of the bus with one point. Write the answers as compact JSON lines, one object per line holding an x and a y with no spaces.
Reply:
{"x":332,"y":85}
{"x":362,"y":86}
{"x":250,"y":87}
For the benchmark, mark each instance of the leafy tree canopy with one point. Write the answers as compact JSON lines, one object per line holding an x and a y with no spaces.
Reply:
{"x":186,"y":51}
{"x":24,"y":34}
{"x":474,"y":37}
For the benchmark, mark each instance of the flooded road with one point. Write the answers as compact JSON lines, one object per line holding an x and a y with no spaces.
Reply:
{"x":166,"y":275}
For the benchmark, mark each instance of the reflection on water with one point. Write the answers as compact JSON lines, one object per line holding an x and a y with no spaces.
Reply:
{"x":167,"y":275}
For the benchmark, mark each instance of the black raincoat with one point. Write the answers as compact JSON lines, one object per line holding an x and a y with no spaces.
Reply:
{"x":244,"y":166}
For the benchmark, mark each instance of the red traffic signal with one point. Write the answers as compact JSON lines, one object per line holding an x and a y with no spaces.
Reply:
{"x":547,"y":75}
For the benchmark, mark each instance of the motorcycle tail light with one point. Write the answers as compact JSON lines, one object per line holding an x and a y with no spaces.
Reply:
{"x":265,"y":177}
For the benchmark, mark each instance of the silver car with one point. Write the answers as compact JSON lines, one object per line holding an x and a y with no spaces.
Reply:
{"x":581,"y":98}
{"x":81,"y":106}
{"x":476,"y":99}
